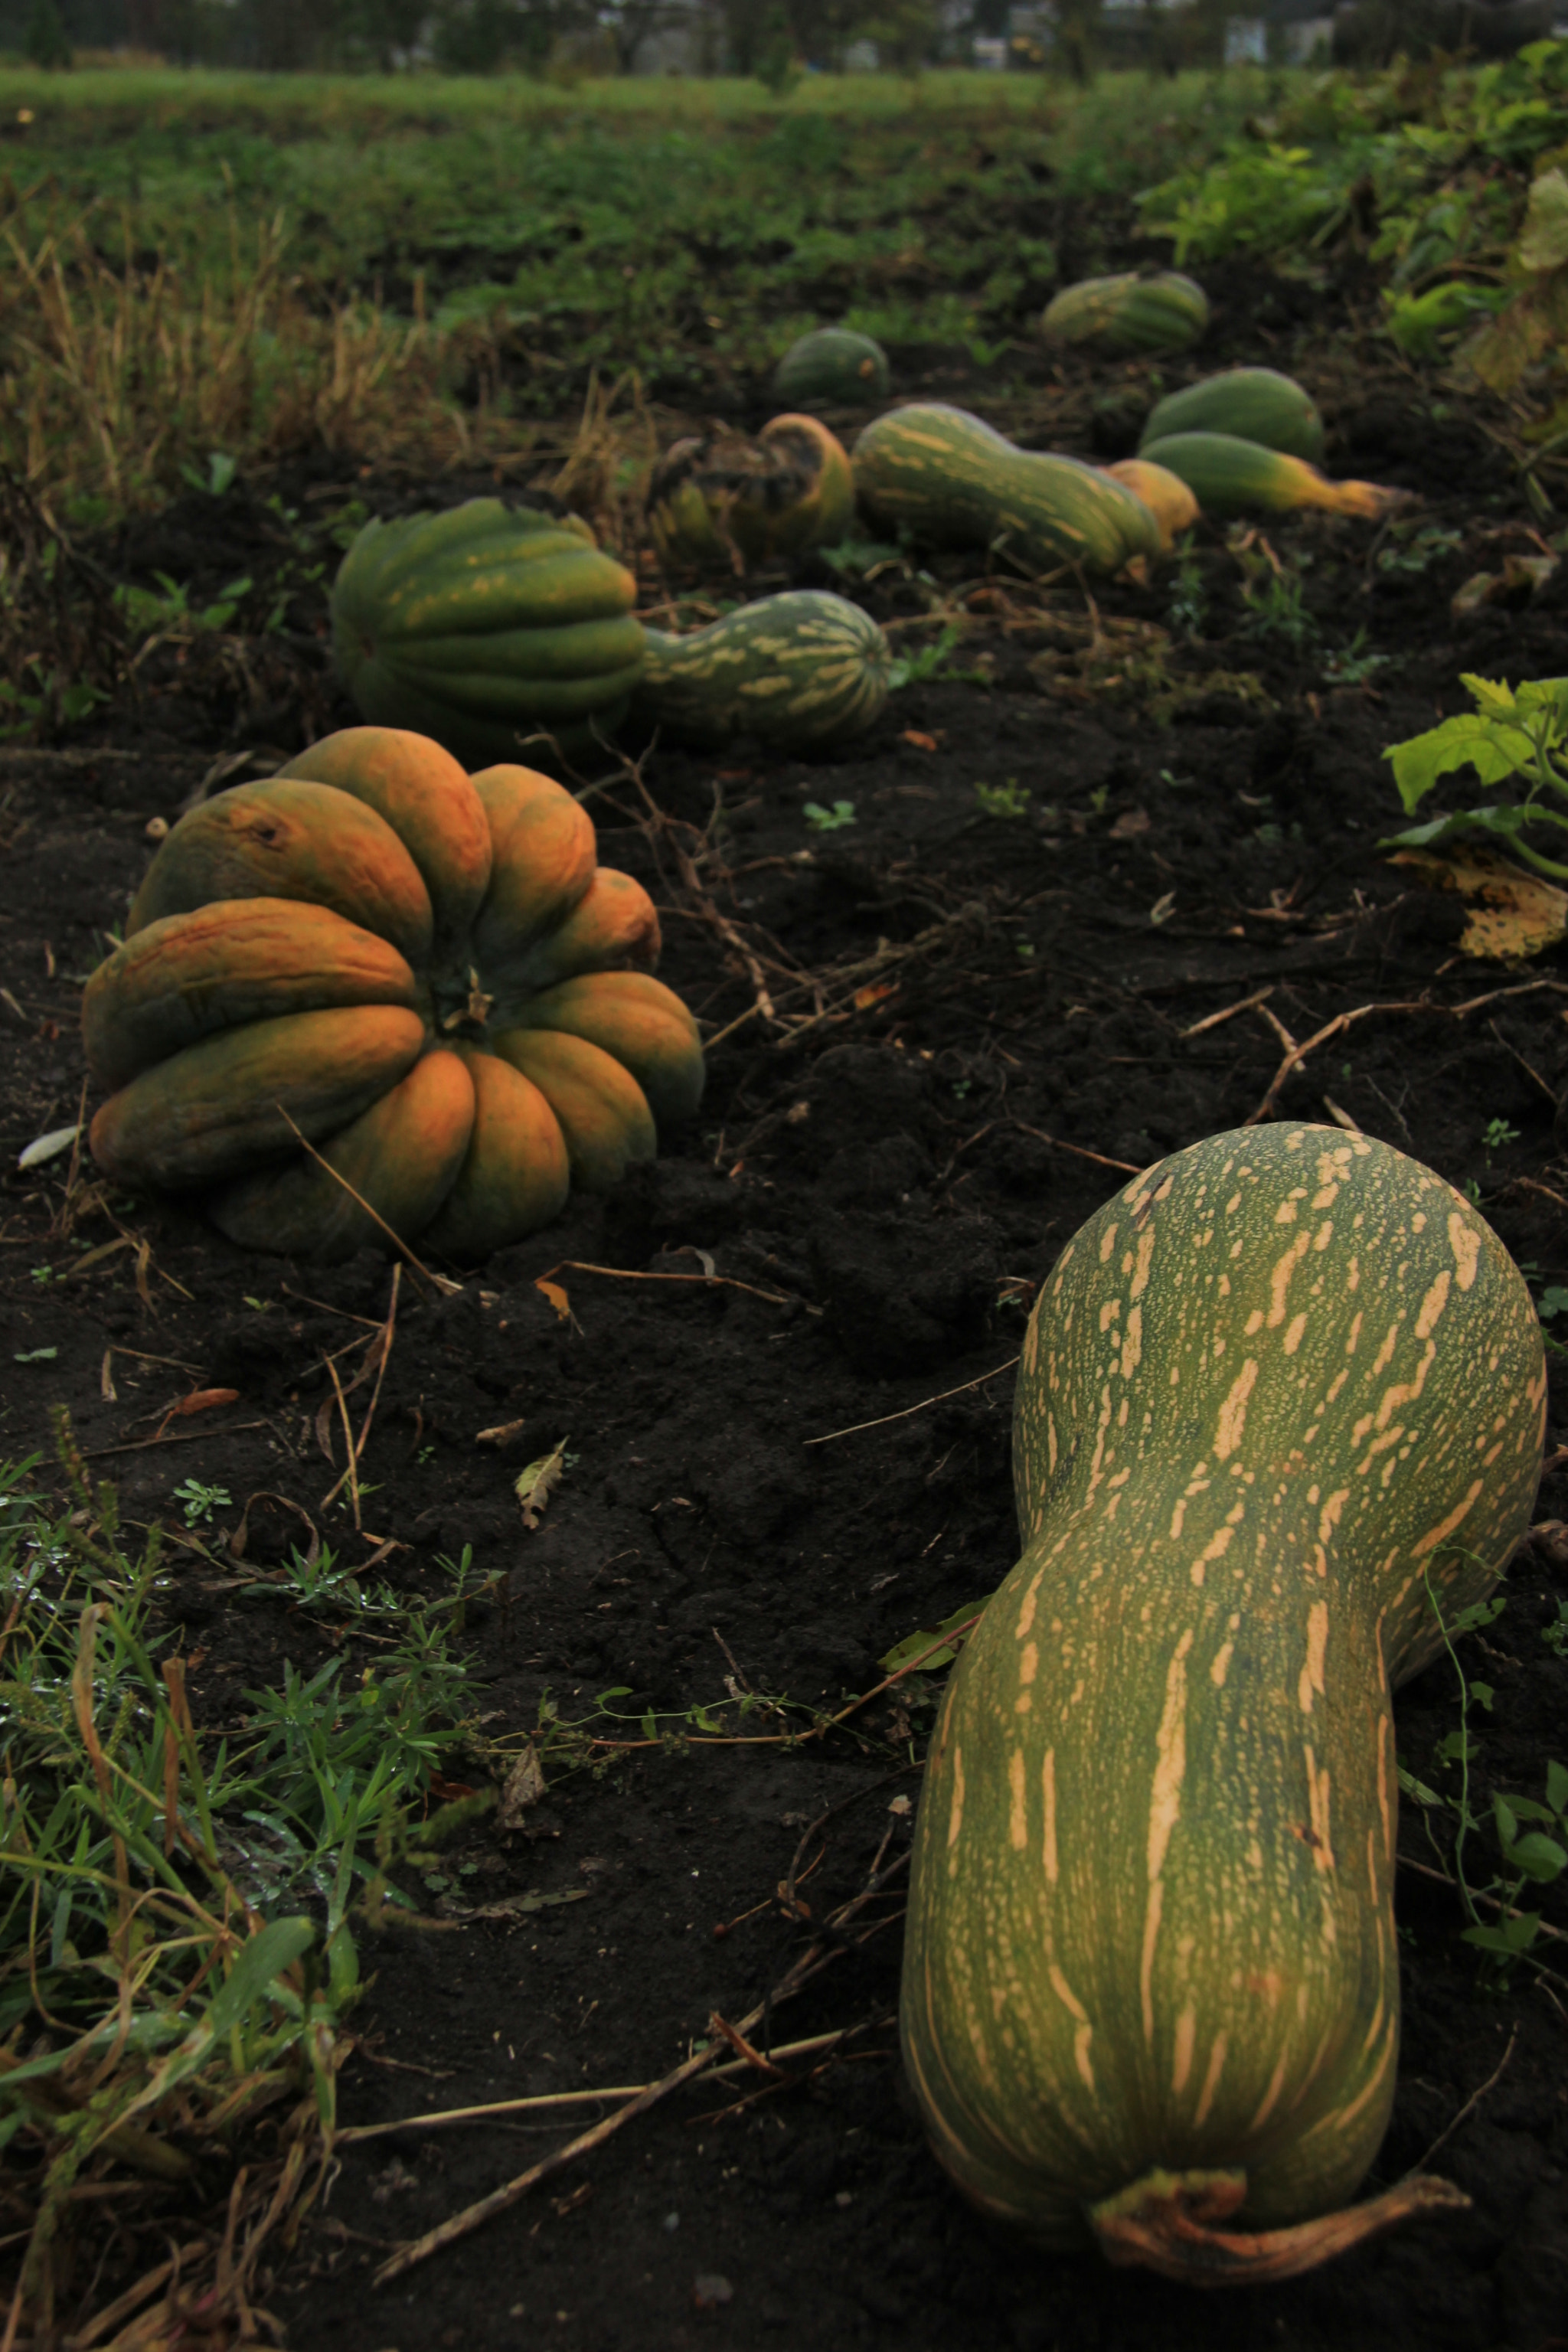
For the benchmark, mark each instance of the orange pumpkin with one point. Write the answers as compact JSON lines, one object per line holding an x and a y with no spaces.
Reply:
{"x":375,"y":994}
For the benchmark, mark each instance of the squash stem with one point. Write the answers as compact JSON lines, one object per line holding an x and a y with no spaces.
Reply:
{"x":1164,"y":2222}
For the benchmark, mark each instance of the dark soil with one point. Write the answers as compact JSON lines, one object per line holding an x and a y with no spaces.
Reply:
{"x":880,"y":1193}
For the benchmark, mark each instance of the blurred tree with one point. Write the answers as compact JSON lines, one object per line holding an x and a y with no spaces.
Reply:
{"x":906,"y":33}
{"x":46,"y":42}
{"x":1077,"y":24}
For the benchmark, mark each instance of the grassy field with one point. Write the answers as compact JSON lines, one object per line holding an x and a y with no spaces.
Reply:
{"x":209,"y":261}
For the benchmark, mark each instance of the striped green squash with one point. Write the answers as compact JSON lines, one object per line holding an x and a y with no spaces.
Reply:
{"x":953,"y":480}
{"x":1229,"y":476}
{"x":1255,"y":403}
{"x":1282,"y":1400}
{"x":801,"y":671}
{"x":484,"y":626}
{"x":1116,"y":317}
{"x":832,"y":367}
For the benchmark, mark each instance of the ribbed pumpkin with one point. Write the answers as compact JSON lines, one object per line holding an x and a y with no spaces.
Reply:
{"x":1252,"y":403}
{"x":427,"y":977}
{"x":833,"y":367}
{"x":1281,"y":1401}
{"x":1230,"y":477}
{"x":723,"y":500}
{"x":953,"y":480}
{"x":486,"y":626}
{"x":801,"y":671}
{"x":1164,"y":494}
{"x":1119,"y":316}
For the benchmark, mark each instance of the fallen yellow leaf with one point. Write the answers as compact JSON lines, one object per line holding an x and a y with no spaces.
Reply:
{"x":1512,"y":913}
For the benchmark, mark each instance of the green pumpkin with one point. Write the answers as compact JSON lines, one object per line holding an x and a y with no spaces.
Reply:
{"x":833,"y":367}
{"x":1251,"y":404}
{"x":484,"y":626}
{"x":1118,"y":316}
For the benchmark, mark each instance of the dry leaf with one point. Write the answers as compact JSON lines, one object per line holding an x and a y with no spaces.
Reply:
{"x":535,"y":1485}
{"x":557,"y":1297}
{"x":921,"y":742}
{"x":1512,"y":913}
{"x":1130,"y":824}
{"x":202,"y":1400}
{"x":873,"y":993}
{"x":501,"y":1434}
{"x":523,"y":1787}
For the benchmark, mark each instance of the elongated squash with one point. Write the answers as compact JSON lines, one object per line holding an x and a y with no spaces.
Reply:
{"x":1280,"y":1404}
{"x":1164,"y":494}
{"x":1252,"y":403}
{"x":953,"y":480}
{"x":1231,"y":477}
{"x":800,"y":671}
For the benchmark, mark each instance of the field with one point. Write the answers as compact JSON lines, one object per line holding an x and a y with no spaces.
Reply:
{"x":538,"y":1805}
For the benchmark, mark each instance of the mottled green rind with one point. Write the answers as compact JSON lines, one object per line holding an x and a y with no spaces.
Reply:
{"x":798,"y":671}
{"x":483,"y":625}
{"x":1273,"y":1387}
{"x":1253,"y":403}
{"x":1230,"y":477}
{"x":832,"y":367}
{"x":1127,"y":313}
{"x":950,"y":480}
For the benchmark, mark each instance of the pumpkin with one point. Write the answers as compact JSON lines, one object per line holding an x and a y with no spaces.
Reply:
{"x":424,"y":979}
{"x":720,"y":498}
{"x":801,"y":671}
{"x":1282,"y":1401}
{"x":1231,"y":477}
{"x":952,"y":480}
{"x":1255,"y":403}
{"x":1116,"y":317}
{"x":1164,"y":494}
{"x":832,"y":367}
{"x":485,"y":627}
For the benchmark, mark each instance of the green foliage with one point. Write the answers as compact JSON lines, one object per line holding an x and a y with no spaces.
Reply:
{"x":1011,"y":799}
{"x":1433,"y":177}
{"x":1512,"y":733}
{"x":830,"y":820}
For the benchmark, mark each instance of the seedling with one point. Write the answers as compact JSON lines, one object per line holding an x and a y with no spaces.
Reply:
{"x":1497,"y":1133}
{"x":1512,"y":733}
{"x":199,"y":1502}
{"x":1275,"y":610}
{"x":1355,"y":665}
{"x":1189,"y":603}
{"x":1011,"y":799}
{"x":826,"y":820}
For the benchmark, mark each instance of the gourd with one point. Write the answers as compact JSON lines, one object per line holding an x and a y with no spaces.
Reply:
{"x":804,"y":670}
{"x":1280,"y":1415}
{"x":1255,"y":403}
{"x":723,"y":500}
{"x":952,"y":480}
{"x":1164,"y":494}
{"x":484,"y":626}
{"x":832,"y":367}
{"x":374,"y":994}
{"x":1231,"y":477}
{"x":1127,"y":313}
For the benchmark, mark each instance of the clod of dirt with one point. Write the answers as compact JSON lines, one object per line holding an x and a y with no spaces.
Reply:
{"x":902,"y":1295}
{"x":670,"y":1203}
